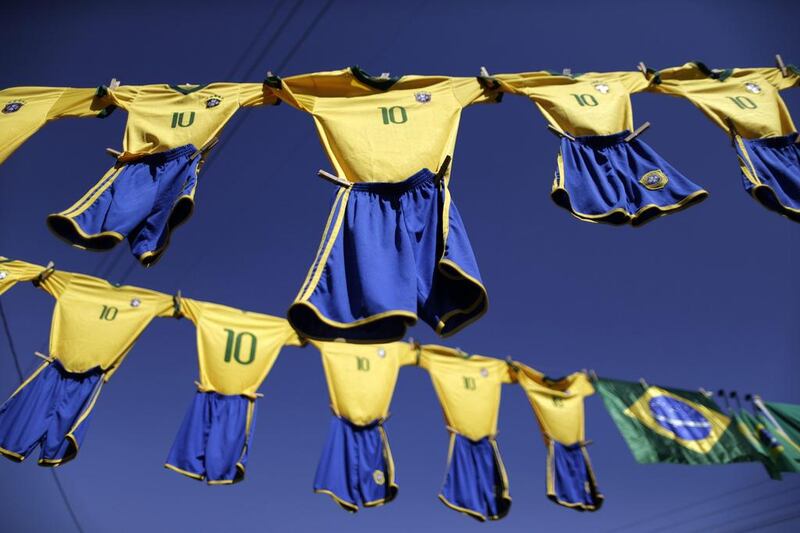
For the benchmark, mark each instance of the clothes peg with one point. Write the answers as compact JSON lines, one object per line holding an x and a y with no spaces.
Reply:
{"x":443,"y":168}
{"x":511,"y":363}
{"x":735,"y":396}
{"x":113,"y":84}
{"x":638,"y":131}
{"x":706,"y":393}
{"x":567,"y":72}
{"x":781,"y":65}
{"x":334,"y":179}
{"x":593,"y":374}
{"x":113,"y":153}
{"x":484,"y":72}
{"x":43,"y":356}
{"x":384,"y":76}
{"x":644,"y":383}
{"x":462,"y":353}
{"x":205,"y":148}
{"x":44,"y":274}
{"x":642,"y":67}
{"x":731,"y":130}
{"x":558,"y":133}
{"x":176,"y":305}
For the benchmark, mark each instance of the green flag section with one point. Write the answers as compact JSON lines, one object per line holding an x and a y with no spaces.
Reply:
{"x":786,"y":447}
{"x":664,"y":425}
{"x":764,"y":446}
{"x":788,"y":416}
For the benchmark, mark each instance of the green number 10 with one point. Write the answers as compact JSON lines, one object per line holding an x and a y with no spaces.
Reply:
{"x":233,"y":346}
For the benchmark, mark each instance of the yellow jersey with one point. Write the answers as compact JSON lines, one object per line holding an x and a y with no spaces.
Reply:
{"x":594,"y":103}
{"x":13,"y":272}
{"x":361,"y":377}
{"x":558,"y":404}
{"x":383,"y":129}
{"x":236,"y":349}
{"x":468,"y":389}
{"x":24,"y":110}
{"x":162,"y":117}
{"x":749,"y":97}
{"x":95,"y":323}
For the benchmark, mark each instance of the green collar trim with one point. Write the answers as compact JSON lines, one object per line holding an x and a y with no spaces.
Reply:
{"x":557,"y":73}
{"x":384,"y":84}
{"x":720,"y":75}
{"x":185,"y":91}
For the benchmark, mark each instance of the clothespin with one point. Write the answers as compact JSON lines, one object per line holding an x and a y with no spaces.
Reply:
{"x":113,"y":84}
{"x":638,"y":131}
{"x":334,"y":179}
{"x":484,"y":72}
{"x":43,"y":356}
{"x":706,"y":393}
{"x":113,"y":153}
{"x":731,"y":130}
{"x":735,"y":396}
{"x":643,"y":383}
{"x":642,"y":67}
{"x":721,"y":394}
{"x":205,"y":148}
{"x":510,"y":362}
{"x":44,"y":274}
{"x":567,"y":72}
{"x":558,"y":133}
{"x":781,"y":65}
{"x":462,"y":353}
{"x":176,"y":305}
{"x":384,"y":76}
{"x":593,"y":374}
{"x":443,"y":168}
{"x":270,"y":74}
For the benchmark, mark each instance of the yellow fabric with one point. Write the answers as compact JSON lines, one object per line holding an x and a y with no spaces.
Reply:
{"x":558,"y":404}
{"x":468,"y":389}
{"x":13,"y":272}
{"x":595,"y":103}
{"x":161,"y":117}
{"x":748,"y":96}
{"x":361,"y":377}
{"x":38,"y":106}
{"x":372,"y":134}
{"x":96,"y":323}
{"x":236,"y":349}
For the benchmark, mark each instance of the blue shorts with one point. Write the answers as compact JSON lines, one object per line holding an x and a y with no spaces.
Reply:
{"x":390,"y":252}
{"x":604,"y":178}
{"x":476,"y":482}
{"x":570,"y":479}
{"x":143,"y":200}
{"x":356,"y":468}
{"x":214,"y":438}
{"x":50,"y":409}
{"x":771,"y":172}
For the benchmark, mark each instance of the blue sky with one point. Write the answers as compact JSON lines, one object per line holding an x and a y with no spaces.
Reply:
{"x":704,"y":298}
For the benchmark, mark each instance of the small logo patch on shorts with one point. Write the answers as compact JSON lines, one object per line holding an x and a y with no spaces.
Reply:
{"x":379,"y":478}
{"x":752,"y":87}
{"x":602,"y":88}
{"x":3,"y":274}
{"x":381,"y":352}
{"x":423,"y":97}
{"x":12,"y":107}
{"x":214,"y":101}
{"x":654,"y":180}
{"x":136,"y":302}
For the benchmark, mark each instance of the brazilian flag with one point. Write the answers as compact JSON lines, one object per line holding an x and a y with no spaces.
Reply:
{"x":782,"y":422}
{"x":765,"y":447}
{"x":664,"y":425}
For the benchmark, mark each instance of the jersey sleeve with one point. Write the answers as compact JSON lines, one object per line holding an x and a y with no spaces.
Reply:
{"x":189,"y":309}
{"x":775,"y":77}
{"x":56,"y":283}
{"x":123,"y":96}
{"x":78,"y":103}
{"x":255,"y":94}
{"x":294,"y":339}
{"x":409,"y":355}
{"x":298,"y":91}
{"x":634,"y":82}
{"x":470,"y":91}
{"x":13,"y":272}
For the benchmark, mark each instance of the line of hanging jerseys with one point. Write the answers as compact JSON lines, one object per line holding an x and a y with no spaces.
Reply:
{"x":746,"y":102}
{"x":150,"y":190}
{"x":25,"y":110}
{"x":604,"y":172}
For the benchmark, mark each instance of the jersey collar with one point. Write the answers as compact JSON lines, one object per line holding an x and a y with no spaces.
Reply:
{"x":187,"y":90}
{"x":384,"y":84}
{"x":717,"y":74}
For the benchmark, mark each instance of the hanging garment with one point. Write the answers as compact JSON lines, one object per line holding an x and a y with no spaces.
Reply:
{"x":236,"y":350}
{"x":469,"y":391}
{"x":151,"y":189}
{"x":559,"y":408}
{"x":95,"y":325}
{"x":746,"y":102}
{"x":395,"y":247}
{"x":25,"y":110}
{"x":600,"y":176}
{"x":13,"y":271}
{"x":356,"y":468}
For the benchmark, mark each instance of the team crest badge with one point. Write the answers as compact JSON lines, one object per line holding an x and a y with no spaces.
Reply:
{"x":381,"y":353}
{"x":423,"y":97}
{"x":12,"y":107}
{"x":602,"y":88}
{"x":214,"y":101}
{"x":654,"y":180}
{"x":379,"y":478}
{"x":3,"y":275}
{"x":136,"y":302}
{"x":484,"y":373}
{"x":752,"y":87}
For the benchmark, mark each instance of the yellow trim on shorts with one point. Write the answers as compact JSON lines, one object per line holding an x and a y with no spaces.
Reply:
{"x":357,"y":323}
{"x":347,"y":506}
{"x":551,"y":492}
{"x":749,"y":171}
{"x":186,"y":473}
{"x":170,"y":228}
{"x":14,"y":456}
{"x":94,"y":192}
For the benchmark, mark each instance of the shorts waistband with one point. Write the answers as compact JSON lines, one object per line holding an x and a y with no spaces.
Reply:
{"x":76,"y":375}
{"x":774,"y":142}
{"x":601,"y":140}
{"x":163,"y":157}
{"x":399,"y":187}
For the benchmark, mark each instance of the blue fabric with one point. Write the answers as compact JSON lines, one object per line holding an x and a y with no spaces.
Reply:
{"x":601,"y":181}
{"x":213,"y":440}
{"x":476,"y":482}
{"x":774,"y":165}
{"x":143,"y":201}
{"x":44,"y":413}
{"x":389,"y":256}
{"x":356,"y":466}
{"x":572,"y":482}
